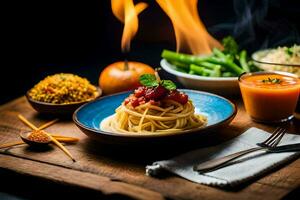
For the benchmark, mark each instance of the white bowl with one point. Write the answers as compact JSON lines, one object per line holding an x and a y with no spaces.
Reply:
{"x":219,"y":85}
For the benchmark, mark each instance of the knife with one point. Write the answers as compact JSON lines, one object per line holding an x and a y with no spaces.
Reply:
{"x":285,"y":148}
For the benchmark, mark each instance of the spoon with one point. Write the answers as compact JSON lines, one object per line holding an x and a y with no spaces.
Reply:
{"x":40,"y":138}
{"x":24,"y":137}
{"x":53,"y":139}
{"x":37,"y":138}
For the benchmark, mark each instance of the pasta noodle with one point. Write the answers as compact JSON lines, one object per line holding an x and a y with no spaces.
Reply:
{"x":169,"y":116}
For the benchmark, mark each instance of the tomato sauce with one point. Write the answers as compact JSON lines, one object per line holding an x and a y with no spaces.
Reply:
{"x":270,"y":96}
{"x":153,"y":95}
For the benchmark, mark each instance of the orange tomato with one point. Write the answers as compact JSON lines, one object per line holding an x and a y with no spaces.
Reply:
{"x":117,"y":77}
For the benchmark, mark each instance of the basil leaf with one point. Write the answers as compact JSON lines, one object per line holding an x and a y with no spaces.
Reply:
{"x":168,"y":84}
{"x":148,"y":80}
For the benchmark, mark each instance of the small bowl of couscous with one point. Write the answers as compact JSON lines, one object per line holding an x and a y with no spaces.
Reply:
{"x":61,"y":94}
{"x":286,"y":59}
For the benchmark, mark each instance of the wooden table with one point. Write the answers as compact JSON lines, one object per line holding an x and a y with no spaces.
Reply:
{"x":118,"y":171}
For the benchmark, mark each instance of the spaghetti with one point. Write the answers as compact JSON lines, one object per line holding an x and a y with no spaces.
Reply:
{"x":156,"y":107}
{"x":169,"y":116}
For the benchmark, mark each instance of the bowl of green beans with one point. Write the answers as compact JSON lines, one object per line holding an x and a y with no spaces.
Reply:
{"x":218,"y":85}
{"x":217,"y":72}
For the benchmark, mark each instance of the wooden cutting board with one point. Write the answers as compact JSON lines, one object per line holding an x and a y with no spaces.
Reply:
{"x":118,"y":170}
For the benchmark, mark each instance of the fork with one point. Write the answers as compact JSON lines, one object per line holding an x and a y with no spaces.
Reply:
{"x":271,"y":142}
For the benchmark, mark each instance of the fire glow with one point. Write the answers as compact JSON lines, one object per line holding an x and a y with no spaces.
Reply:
{"x":127,"y":13}
{"x":191,"y":34}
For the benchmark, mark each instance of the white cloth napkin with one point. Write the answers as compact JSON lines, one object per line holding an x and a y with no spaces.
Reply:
{"x":239,"y":171}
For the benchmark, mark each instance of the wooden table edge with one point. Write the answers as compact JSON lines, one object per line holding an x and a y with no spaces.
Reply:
{"x":72,"y":177}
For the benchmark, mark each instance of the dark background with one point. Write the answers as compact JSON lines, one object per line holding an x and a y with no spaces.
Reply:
{"x":39,"y":38}
{"x":50,"y":36}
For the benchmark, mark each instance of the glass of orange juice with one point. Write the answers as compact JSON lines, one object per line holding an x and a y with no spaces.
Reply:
{"x":270,"y":96}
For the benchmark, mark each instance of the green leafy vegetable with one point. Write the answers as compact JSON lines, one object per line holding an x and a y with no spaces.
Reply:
{"x":230,"y":45}
{"x":148,"y":80}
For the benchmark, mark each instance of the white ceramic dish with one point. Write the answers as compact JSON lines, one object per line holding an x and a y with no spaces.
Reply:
{"x":219,"y":85}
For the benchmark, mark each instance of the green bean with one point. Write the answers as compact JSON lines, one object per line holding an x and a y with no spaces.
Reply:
{"x":243,"y":62}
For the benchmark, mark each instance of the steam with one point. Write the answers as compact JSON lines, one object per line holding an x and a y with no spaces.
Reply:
{"x":253,"y":30}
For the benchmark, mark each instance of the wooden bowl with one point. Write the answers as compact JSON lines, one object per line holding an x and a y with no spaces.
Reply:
{"x":57,"y":109}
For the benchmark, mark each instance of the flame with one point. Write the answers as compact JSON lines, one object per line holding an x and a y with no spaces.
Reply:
{"x":191,"y":34}
{"x":127,"y":13}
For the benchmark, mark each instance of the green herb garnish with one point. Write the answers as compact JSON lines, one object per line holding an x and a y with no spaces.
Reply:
{"x":149,"y":80}
{"x":168,"y":84}
{"x":272,"y":80}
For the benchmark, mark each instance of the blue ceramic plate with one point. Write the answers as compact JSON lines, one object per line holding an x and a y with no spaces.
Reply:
{"x":218,"y":110}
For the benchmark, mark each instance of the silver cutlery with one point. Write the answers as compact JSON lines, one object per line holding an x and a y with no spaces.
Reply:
{"x":271,"y":142}
{"x":284,"y":148}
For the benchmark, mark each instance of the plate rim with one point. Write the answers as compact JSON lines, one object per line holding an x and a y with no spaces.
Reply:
{"x":199,"y":129}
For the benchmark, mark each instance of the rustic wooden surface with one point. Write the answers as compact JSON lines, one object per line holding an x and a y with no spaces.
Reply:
{"x":118,"y":170}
